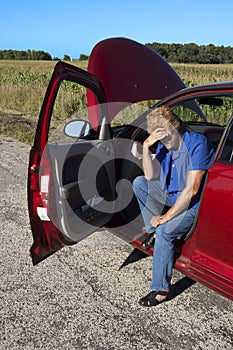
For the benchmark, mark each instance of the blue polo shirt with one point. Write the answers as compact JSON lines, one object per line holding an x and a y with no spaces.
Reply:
{"x":195,"y":153}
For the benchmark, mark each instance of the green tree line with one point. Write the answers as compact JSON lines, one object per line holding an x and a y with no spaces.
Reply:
{"x":174,"y":53}
{"x":24,"y":55}
{"x":34,"y":55}
{"x":193,"y":53}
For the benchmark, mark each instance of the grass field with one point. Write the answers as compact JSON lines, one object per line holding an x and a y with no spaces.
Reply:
{"x":23,"y":85}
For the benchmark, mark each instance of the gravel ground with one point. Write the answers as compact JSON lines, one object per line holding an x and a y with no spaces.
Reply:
{"x":79,"y":299}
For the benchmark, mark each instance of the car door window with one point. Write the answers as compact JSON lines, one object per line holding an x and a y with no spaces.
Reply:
{"x":131,"y":111}
{"x":215,"y":109}
{"x":207,"y":115}
{"x":227,"y":152}
{"x":70,"y":104}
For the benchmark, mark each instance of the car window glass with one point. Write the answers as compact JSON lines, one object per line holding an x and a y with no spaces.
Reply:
{"x":227,"y":152}
{"x":215,"y":109}
{"x":70,"y":104}
{"x":186,"y":114}
{"x":207,"y":115}
{"x":131,"y":112}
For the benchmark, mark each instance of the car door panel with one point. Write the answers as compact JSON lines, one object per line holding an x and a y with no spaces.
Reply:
{"x":76,"y":185}
{"x":54,"y":182}
{"x":214,"y":243}
{"x":207,"y":256}
{"x":212,"y":255}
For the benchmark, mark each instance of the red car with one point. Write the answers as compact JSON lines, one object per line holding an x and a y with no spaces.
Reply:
{"x":87,"y":152}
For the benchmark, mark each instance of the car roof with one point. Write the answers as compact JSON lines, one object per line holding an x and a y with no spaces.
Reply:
{"x":211,"y":87}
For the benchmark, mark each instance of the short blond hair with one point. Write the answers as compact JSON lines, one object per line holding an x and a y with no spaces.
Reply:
{"x":164,"y":117}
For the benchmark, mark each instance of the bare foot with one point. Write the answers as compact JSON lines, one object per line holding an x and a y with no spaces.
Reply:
{"x":161,"y":297}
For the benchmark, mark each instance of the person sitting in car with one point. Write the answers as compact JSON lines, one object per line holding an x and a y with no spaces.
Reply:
{"x":169,"y":192}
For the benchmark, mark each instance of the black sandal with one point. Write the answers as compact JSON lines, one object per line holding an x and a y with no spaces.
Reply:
{"x":149,"y":241}
{"x":150,"y":299}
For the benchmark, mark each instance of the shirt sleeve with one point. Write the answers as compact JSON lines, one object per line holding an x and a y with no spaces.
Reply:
{"x":201,"y":154}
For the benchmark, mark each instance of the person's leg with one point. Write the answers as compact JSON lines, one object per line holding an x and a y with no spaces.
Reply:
{"x":163,"y":256}
{"x":151,"y":199}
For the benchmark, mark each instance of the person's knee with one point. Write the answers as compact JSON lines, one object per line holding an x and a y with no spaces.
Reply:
{"x":138,"y":183}
{"x":162,"y":235}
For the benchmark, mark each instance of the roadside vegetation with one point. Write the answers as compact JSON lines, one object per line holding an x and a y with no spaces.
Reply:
{"x":23,"y":85}
{"x":193,"y":53}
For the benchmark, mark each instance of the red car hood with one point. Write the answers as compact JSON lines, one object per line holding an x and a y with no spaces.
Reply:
{"x":130,"y":72}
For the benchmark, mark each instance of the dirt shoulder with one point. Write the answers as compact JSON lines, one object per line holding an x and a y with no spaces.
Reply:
{"x":17,"y":124}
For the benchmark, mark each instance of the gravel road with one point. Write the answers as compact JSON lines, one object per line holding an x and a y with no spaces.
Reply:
{"x":79,"y":299}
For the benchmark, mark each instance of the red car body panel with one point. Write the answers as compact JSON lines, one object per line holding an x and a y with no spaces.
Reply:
{"x":210,"y":248}
{"x":130,"y":72}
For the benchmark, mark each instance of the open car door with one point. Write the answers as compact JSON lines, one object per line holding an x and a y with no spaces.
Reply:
{"x":63,"y":171}
{"x":71,"y":180}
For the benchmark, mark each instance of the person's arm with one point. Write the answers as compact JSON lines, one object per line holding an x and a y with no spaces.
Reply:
{"x":193,"y":184}
{"x":151,"y":167}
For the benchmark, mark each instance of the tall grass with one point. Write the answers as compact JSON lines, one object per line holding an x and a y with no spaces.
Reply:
{"x":22,"y":88}
{"x":23,"y":85}
{"x":197,"y":74}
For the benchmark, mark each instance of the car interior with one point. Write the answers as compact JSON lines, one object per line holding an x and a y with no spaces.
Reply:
{"x":138,"y":133}
{"x":105,"y":162}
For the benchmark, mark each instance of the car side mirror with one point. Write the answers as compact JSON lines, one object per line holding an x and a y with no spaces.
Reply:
{"x":77,"y":128}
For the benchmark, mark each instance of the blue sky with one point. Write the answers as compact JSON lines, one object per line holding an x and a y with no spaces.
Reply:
{"x":73,"y":27}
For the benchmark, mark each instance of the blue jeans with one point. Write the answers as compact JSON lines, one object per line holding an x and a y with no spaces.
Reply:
{"x":151,"y":200}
